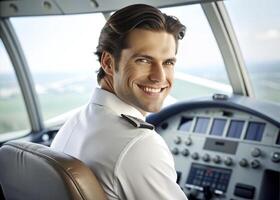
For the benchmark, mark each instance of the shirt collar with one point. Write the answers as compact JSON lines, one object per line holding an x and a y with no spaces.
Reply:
{"x":110,"y":100}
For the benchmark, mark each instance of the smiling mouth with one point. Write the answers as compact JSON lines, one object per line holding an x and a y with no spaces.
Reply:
{"x":151,"y":90}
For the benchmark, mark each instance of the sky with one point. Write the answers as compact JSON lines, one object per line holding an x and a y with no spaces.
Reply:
{"x":257,"y":29}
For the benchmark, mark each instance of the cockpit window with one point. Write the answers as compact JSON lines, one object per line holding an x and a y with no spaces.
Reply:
{"x":13,"y":115}
{"x":60,"y":53}
{"x":258,"y":33}
{"x":200,"y":68}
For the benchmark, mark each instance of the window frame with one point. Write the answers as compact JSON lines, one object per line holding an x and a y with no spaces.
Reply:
{"x":223,"y":31}
{"x":23,"y":76}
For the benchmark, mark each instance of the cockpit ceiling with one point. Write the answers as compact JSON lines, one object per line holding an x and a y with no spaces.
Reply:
{"x":14,"y":8}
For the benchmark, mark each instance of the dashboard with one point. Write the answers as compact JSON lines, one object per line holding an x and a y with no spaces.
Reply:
{"x":224,"y":148}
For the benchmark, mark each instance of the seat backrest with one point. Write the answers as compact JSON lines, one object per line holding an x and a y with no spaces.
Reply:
{"x":33,"y":171}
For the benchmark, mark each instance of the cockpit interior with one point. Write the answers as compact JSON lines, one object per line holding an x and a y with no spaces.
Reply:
{"x":221,"y":120}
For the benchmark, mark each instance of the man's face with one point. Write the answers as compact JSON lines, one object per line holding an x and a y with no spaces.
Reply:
{"x":145,"y":70}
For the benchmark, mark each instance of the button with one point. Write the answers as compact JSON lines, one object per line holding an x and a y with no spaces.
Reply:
{"x":216,"y":159}
{"x":256,"y":152}
{"x":188,"y":141}
{"x":175,"y":151}
{"x":195,"y":156}
{"x":245,"y":191}
{"x":164,"y":126}
{"x":255,"y":164}
{"x":275,"y":157}
{"x":177,"y":140}
{"x":206,"y":157}
{"x":185,"y":152}
{"x":228,"y":161}
{"x":243,"y":162}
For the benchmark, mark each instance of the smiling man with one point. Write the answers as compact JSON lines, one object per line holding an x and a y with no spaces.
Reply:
{"x":137,"y":49}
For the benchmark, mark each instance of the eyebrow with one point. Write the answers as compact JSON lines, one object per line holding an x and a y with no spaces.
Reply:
{"x":152,"y":58}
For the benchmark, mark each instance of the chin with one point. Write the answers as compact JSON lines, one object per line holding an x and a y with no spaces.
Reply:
{"x":153,"y":109}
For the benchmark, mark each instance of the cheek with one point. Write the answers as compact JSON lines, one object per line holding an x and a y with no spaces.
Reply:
{"x":133,"y":74}
{"x":127,"y":76}
{"x":170,"y":75}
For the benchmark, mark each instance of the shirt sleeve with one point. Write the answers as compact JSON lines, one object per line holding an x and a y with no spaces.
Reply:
{"x":146,"y":171}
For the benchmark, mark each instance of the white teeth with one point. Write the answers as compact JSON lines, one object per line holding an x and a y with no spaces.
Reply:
{"x":152,"y":90}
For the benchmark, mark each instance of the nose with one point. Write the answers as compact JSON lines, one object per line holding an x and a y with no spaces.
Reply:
{"x":157,"y":73}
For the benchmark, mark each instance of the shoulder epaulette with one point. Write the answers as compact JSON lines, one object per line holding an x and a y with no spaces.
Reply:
{"x":138,"y":123}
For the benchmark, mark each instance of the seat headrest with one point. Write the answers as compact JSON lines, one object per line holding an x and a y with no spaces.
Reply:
{"x":34,"y":171}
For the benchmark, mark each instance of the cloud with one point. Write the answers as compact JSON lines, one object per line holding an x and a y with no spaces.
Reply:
{"x":271,"y":34}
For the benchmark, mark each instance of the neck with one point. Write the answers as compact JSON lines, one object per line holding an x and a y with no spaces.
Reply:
{"x":144,"y":113}
{"x":107,"y":84}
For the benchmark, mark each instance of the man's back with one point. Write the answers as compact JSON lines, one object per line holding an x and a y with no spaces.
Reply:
{"x":130,"y":162}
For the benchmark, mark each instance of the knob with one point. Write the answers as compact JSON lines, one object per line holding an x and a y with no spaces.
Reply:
{"x":228,"y":161}
{"x":45,"y":137}
{"x":177,"y":140}
{"x":193,"y":193}
{"x":185,"y":152}
{"x":217,"y":159}
{"x":195,"y":156}
{"x":275,"y":157}
{"x":175,"y":151}
{"x":256,"y":152}
{"x":255,"y":164}
{"x":188,"y":141}
{"x":164,"y":126}
{"x":243,"y":162}
{"x":206,"y":157}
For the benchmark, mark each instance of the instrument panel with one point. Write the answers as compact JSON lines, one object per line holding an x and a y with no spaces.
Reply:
{"x":222,"y":150}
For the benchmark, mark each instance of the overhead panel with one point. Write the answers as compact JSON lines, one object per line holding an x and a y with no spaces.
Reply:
{"x":14,"y":8}
{"x":28,"y":8}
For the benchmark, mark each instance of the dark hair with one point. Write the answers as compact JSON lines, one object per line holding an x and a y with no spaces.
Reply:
{"x":114,"y":33}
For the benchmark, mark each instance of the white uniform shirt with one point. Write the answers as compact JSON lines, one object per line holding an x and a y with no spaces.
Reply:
{"x":130,"y":163}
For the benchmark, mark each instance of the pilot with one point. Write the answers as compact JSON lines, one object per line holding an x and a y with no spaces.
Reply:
{"x":137,"y":53}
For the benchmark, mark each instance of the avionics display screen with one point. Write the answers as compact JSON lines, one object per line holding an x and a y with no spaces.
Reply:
{"x":218,"y":127}
{"x":201,"y":124}
{"x":235,"y":128}
{"x":185,"y":124}
{"x":255,"y":131}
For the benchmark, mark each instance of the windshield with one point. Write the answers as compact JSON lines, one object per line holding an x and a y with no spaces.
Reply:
{"x":258,"y":34}
{"x":200,"y":69}
{"x":60,"y":53}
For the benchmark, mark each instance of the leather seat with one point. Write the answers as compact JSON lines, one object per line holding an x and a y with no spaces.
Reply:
{"x":33,"y":171}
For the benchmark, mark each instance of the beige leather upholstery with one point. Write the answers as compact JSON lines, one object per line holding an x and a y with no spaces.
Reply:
{"x":33,"y":171}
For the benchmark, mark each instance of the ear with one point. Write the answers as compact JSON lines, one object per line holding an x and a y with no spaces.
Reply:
{"x":107,"y":63}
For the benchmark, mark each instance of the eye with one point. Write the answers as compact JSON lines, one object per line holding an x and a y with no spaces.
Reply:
{"x":143,"y":61}
{"x":169,"y":63}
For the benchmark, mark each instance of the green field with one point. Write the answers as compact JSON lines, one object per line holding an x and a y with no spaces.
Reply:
{"x":13,"y":115}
